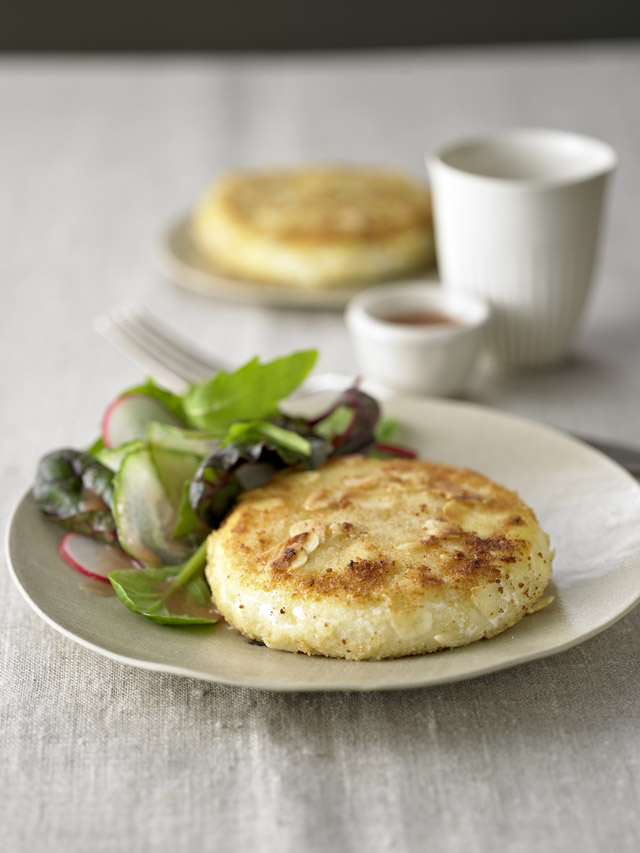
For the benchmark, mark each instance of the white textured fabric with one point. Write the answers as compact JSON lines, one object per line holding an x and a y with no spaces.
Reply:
{"x":96,"y":157}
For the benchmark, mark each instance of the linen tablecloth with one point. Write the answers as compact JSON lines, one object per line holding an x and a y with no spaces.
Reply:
{"x":97,"y":157}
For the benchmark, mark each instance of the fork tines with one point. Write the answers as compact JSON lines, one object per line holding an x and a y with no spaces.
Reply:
{"x":153,"y":347}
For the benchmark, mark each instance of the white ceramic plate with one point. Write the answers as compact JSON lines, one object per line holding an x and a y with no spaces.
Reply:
{"x":179,"y":260}
{"x":589,"y":506}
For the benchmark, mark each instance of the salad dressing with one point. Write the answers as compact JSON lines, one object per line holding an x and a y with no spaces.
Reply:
{"x":97,"y":587}
{"x":180,"y":602}
{"x":423,"y":318}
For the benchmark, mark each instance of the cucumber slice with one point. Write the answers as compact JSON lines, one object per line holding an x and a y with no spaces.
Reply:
{"x":145,"y":516}
{"x":170,"y":437}
{"x":174,"y":468}
{"x":112,"y":457}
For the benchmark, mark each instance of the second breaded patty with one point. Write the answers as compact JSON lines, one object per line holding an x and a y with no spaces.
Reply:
{"x":316,"y":226}
{"x":369,"y":558}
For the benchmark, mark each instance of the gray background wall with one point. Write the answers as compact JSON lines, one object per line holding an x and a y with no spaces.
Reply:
{"x":238,"y":25}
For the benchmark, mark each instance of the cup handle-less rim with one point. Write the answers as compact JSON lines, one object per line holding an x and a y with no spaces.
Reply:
{"x":606,"y":155}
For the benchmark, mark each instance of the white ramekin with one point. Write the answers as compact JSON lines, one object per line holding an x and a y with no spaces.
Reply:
{"x":422,"y":359}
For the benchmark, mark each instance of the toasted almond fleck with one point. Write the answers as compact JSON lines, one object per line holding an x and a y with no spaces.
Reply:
{"x":340,"y":528}
{"x":318,"y":500}
{"x":308,"y":525}
{"x":365,"y":482}
{"x":267,"y":503}
{"x":303,"y":526}
{"x":312,"y":543}
{"x":290,"y":558}
{"x":269,"y":553}
{"x":454,"y":512}
{"x":437,"y":527}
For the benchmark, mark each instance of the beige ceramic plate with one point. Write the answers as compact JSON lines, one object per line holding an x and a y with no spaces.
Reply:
{"x":589,"y":506}
{"x":180,"y":261}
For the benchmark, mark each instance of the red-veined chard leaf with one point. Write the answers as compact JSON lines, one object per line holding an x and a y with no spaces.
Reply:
{"x":74,"y":488}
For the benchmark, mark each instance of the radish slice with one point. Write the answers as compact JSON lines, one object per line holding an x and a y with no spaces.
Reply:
{"x":94,"y":559}
{"x":127,"y":417}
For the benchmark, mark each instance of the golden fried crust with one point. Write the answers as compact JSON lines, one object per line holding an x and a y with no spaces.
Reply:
{"x":316,"y":226}
{"x":370,"y":558}
{"x":320,"y":204}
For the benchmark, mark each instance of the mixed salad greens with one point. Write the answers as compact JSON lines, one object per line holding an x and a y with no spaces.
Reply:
{"x":139,"y":504}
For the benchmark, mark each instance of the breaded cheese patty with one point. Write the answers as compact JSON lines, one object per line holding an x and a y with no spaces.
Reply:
{"x":371,"y":558}
{"x":315,"y":226}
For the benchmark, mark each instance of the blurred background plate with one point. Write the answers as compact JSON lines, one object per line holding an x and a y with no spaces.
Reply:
{"x":180,"y":261}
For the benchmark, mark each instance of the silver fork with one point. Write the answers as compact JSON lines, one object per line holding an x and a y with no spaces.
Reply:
{"x":174,"y":363}
{"x":171,"y":360}
{"x":158,"y":351}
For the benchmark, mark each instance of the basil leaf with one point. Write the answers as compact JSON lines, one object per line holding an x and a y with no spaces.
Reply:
{"x":249,"y":432}
{"x":385,"y":428}
{"x":335,"y":422}
{"x":253,"y":391}
{"x":97,"y":446}
{"x":170,"y":595}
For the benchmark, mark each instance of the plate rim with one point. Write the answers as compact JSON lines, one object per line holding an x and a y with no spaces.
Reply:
{"x":376,"y":683}
{"x":184,"y":275}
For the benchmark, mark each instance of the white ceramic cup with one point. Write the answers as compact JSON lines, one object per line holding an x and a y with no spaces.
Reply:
{"x":517,"y":218}
{"x":432,"y":359}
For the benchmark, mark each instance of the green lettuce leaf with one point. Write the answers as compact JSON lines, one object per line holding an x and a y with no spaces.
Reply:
{"x":170,"y":595}
{"x":249,"y":432}
{"x":250,"y":393}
